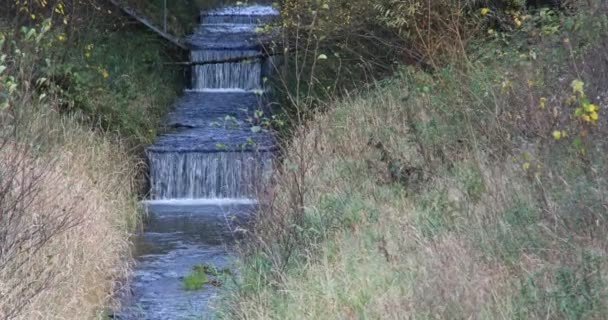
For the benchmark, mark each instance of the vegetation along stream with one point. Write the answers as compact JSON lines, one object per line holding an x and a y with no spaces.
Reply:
{"x":303,"y":159}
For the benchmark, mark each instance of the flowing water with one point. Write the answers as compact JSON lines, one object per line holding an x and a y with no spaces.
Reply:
{"x":204,"y":173}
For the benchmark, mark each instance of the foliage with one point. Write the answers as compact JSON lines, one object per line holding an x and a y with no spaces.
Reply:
{"x":195,"y":279}
{"x":202,"y":274}
{"x":91,"y":75}
{"x":472,"y":192}
{"x":75,"y":98}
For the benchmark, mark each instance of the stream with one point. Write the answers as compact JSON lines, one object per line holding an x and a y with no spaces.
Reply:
{"x":206,"y":171}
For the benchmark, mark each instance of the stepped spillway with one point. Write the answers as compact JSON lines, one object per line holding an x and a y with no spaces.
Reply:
{"x":213,"y":153}
{"x":206,"y":170}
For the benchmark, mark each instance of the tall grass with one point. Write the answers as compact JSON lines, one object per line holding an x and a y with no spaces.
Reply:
{"x":445,"y":195}
{"x":76,"y":105}
{"x":70,"y":210}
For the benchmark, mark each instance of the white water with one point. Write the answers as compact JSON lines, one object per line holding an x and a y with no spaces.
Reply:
{"x":200,"y":202}
{"x":230,"y":90}
{"x":237,"y":75}
{"x":207,"y":175}
{"x":251,"y":10}
{"x":245,"y":75}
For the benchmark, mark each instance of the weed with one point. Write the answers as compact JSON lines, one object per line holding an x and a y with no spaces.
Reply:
{"x":195,"y":279}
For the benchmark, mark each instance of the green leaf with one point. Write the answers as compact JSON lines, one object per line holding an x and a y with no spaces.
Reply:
{"x":195,"y":280}
{"x":577,"y":142}
{"x":12,"y":87}
{"x":256,"y":129}
{"x":322,"y":57}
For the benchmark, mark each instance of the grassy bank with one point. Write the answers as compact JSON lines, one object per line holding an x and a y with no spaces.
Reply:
{"x":82,"y":89}
{"x":476,"y":191}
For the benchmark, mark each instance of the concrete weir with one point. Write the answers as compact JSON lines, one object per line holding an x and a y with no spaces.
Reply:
{"x":204,"y":173}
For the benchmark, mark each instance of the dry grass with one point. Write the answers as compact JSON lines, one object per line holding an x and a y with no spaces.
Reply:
{"x":75,"y":209}
{"x":411,"y":202}
{"x":378,"y":263}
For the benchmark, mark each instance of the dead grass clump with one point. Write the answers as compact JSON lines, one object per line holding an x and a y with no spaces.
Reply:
{"x":64,"y":226}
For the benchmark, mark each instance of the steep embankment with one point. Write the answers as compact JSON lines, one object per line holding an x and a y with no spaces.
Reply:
{"x":80,"y":92}
{"x":477,"y":192}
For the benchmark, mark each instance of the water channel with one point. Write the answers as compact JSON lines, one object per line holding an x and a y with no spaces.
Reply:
{"x":205,"y":172}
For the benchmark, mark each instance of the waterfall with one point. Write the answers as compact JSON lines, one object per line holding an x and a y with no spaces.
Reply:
{"x":213,"y":152}
{"x":209,"y":175}
{"x":207,"y":169}
{"x":233,"y":19}
{"x":246,"y":74}
{"x":256,"y":14}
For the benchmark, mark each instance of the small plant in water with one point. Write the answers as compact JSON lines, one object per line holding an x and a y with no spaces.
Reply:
{"x":196,"y":279}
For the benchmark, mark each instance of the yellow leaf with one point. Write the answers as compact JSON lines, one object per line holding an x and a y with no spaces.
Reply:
{"x":322,"y":57}
{"x":484,"y":11}
{"x":578,"y":87}
{"x":517,"y":22}
{"x":591,"y":107}
{"x":543,"y":102}
{"x":594,"y":116}
{"x":557,"y":134}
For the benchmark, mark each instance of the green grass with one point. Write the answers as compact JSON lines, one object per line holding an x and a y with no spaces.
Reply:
{"x":195,"y":279}
{"x":504,"y":221}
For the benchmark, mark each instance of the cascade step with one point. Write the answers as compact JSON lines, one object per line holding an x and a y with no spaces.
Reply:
{"x":233,"y":28}
{"x":227,"y":27}
{"x":197,"y":56}
{"x":243,"y":40}
{"x":208,"y":175}
{"x":205,"y":174}
{"x":244,"y":75}
{"x":215,"y":109}
{"x":250,"y":10}
{"x":256,"y":14}
{"x":215,"y":139}
{"x":213,"y":218}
